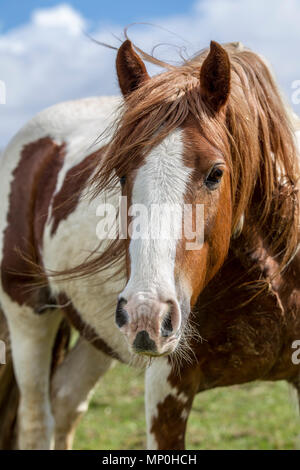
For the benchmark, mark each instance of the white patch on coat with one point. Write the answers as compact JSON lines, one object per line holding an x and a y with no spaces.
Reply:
{"x":157,"y":390}
{"x":161,"y":181}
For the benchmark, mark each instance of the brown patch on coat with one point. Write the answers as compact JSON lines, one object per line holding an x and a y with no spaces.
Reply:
{"x":83,"y":328}
{"x":169,"y":437}
{"x":66,"y":200}
{"x":169,"y":423}
{"x":248,"y":319}
{"x":33,"y":184}
{"x":247,"y":327}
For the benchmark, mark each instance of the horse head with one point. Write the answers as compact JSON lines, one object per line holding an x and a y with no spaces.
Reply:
{"x":177,"y":180}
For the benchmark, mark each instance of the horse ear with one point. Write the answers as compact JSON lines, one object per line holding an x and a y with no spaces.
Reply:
{"x":131,"y":69}
{"x":215,"y":77}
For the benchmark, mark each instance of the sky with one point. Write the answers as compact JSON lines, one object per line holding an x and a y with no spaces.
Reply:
{"x":46,"y":57}
{"x":17,"y":12}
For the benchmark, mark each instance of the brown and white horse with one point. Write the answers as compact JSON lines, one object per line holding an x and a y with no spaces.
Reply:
{"x":211,"y":133}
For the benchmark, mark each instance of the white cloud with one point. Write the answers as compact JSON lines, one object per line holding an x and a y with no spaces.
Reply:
{"x":50,"y":60}
{"x":62,"y":16}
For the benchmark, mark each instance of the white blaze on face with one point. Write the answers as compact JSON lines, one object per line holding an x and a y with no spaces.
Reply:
{"x":159,"y":189}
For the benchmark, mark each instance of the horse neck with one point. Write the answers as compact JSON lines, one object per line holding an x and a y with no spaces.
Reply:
{"x":257,"y":259}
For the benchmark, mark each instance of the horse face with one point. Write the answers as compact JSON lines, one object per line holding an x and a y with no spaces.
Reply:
{"x":171,"y":253}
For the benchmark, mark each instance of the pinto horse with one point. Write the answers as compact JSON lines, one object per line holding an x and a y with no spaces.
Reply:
{"x":213,"y":133}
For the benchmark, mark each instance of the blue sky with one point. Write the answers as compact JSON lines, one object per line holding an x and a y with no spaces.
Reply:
{"x":46,"y":58}
{"x":17,"y":12}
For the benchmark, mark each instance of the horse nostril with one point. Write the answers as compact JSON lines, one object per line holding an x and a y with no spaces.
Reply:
{"x":167,"y":327}
{"x":143,"y":342}
{"x":121,"y":314}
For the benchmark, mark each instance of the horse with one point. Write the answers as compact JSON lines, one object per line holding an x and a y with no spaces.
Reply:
{"x":211,"y":306}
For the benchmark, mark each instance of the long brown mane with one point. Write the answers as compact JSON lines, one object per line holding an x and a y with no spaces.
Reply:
{"x":257,"y":141}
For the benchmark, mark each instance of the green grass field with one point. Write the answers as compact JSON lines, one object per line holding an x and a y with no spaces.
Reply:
{"x":254,"y":416}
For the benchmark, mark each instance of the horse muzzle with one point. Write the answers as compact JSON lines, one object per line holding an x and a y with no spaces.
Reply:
{"x":151,"y":326}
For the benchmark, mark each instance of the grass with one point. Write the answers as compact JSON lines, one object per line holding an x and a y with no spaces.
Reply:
{"x":252,"y":416}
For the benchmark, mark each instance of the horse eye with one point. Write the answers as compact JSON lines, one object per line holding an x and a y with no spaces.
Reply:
{"x":214,"y":177}
{"x":123,"y":180}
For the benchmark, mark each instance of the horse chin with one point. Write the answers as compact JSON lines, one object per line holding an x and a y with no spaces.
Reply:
{"x":166,"y":350}
{"x":152,"y":355}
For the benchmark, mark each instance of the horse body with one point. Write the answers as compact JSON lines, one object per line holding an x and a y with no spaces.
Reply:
{"x":47,"y":219}
{"x":64,"y":226}
{"x":34,"y":170}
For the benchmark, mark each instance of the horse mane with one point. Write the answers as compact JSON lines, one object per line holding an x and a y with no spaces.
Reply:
{"x":257,"y":141}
